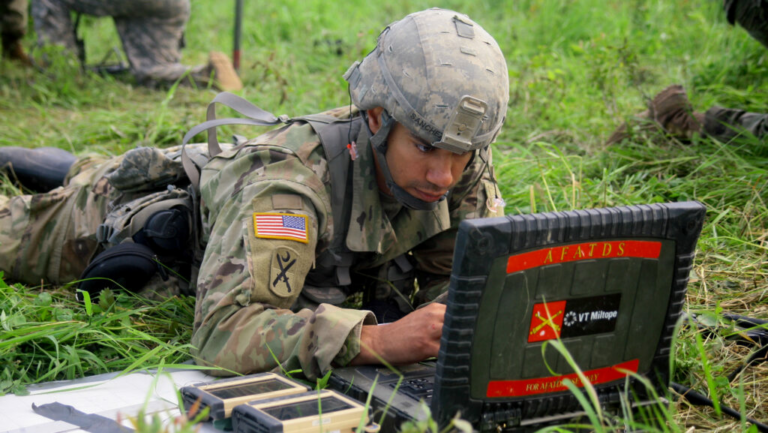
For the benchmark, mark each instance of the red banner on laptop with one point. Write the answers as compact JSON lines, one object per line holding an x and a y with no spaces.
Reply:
{"x":545,"y":385}
{"x":585,"y":251}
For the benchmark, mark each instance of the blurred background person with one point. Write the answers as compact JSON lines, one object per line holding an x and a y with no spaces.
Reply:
{"x":151,"y":32}
{"x":671,"y":110}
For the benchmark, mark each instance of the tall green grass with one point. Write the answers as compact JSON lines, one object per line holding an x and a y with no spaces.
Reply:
{"x":47,"y":335}
{"x":577,"y":69}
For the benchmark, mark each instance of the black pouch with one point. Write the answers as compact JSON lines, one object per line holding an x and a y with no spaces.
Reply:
{"x":128,"y":266}
{"x":166,"y":232}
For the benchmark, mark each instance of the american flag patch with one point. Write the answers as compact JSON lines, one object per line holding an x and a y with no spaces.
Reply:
{"x":280,"y":226}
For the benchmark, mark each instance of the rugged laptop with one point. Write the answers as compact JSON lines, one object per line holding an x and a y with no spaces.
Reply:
{"x":609,"y":283}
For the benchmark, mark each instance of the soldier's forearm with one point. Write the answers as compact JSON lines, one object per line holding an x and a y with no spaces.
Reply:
{"x":256,"y":338}
{"x":413,"y":338}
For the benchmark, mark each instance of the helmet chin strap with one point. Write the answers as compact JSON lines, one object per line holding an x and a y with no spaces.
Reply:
{"x":379,"y":141}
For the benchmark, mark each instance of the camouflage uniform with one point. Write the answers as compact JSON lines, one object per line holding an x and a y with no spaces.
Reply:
{"x":50,"y":237}
{"x":13,"y":19}
{"x":725,"y":124}
{"x":151,"y":32}
{"x":246,"y":283}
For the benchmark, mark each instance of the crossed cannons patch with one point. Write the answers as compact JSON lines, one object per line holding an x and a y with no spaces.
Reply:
{"x":281,"y":275}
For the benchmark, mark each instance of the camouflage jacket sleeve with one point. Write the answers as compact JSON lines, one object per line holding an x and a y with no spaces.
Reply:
{"x":473,"y":197}
{"x":252,"y":273}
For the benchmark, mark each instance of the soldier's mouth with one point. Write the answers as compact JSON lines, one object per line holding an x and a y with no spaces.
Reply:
{"x":428,"y":196}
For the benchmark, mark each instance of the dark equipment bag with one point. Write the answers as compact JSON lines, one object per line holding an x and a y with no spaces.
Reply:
{"x":129,"y":266}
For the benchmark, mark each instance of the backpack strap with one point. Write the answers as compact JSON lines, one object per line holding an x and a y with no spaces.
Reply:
{"x":333,"y":134}
{"x":254,"y":116}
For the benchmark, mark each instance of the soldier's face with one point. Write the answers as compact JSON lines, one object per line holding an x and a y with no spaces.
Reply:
{"x":424,"y":171}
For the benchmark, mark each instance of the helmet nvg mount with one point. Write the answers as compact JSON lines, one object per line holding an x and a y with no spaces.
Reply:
{"x":439,"y":74}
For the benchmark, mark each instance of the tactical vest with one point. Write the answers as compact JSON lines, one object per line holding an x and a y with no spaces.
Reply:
{"x":148,"y":235}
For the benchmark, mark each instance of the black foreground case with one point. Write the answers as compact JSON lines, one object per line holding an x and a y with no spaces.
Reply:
{"x":481,"y":242}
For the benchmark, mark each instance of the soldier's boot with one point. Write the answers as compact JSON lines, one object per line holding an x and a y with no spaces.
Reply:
{"x":13,"y":50}
{"x":671,"y":110}
{"x":40,"y":170}
{"x":224,"y":72}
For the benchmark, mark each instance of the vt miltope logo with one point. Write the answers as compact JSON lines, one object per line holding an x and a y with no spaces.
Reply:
{"x":574,"y":317}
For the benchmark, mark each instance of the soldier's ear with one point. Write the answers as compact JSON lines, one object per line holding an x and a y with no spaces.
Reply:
{"x":374,"y":119}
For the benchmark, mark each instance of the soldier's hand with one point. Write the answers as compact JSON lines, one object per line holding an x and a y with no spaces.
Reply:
{"x":413,"y":338}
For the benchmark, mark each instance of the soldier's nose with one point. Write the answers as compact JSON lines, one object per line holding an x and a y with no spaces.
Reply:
{"x":440,"y":170}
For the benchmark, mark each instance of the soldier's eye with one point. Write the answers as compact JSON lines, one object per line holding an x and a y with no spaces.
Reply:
{"x":425,"y":148}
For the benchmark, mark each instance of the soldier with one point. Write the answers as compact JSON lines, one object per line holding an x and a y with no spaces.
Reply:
{"x":13,"y":27}
{"x":151,"y":32}
{"x":364,"y":199}
{"x":672,"y":111}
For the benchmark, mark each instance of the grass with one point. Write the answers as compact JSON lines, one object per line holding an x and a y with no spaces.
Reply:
{"x":48,"y":335}
{"x":577,"y":70}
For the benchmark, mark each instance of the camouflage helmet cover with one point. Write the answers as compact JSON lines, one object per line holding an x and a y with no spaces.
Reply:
{"x":440,"y":75}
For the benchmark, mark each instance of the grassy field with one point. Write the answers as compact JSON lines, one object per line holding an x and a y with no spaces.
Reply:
{"x":577,"y":70}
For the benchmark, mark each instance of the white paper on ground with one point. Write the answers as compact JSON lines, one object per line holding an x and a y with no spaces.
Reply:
{"x":124,"y":395}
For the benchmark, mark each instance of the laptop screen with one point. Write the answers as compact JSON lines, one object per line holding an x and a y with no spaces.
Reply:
{"x":597,"y":297}
{"x":608,"y":283}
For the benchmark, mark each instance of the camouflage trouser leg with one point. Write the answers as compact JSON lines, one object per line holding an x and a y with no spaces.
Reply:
{"x":724,"y":124}
{"x":50,"y":237}
{"x":150,"y":30}
{"x":152,"y":44}
{"x":750,"y":14}
{"x":13,"y":19}
{"x":53,"y":24}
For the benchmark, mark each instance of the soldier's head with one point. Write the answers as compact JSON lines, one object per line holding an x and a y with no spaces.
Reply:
{"x":434,"y":92}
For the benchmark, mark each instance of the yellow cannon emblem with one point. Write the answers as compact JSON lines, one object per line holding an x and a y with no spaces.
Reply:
{"x":546,"y":322}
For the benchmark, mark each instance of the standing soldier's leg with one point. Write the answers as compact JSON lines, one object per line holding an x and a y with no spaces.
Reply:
{"x":51,"y":237}
{"x":152,"y":41}
{"x":724,"y":124}
{"x":151,"y":31}
{"x":13,"y":26}
{"x":13,"y":17}
{"x":750,"y":14}
{"x":53,"y":23}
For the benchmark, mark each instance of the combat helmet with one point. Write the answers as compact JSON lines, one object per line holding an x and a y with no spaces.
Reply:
{"x":439,"y":74}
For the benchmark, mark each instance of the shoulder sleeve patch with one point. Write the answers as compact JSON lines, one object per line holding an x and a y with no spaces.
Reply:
{"x":292,"y":227}
{"x":287,"y":201}
{"x":282,"y":274}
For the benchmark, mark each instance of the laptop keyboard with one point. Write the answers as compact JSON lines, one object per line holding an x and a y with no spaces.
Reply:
{"x":417,"y":389}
